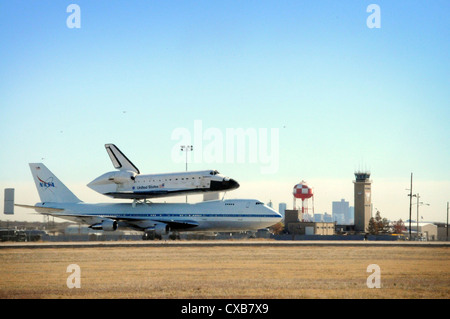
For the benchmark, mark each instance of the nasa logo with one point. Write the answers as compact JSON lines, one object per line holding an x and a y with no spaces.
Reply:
{"x":48,"y":183}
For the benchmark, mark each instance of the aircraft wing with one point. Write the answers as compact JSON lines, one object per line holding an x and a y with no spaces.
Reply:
{"x":42,"y":210}
{"x":58,"y":212}
{"x":134,"y":222}
{"x":173,"y":224}
{"x":179,"y":224}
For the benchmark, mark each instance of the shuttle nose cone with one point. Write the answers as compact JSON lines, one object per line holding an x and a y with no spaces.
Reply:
{"x":232,"y":184}
{"x":229,"y":184}
{"x":225,"y":184}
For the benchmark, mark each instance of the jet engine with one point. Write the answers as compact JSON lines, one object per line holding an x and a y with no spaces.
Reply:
{"x":158,"y":229}
{"x":106,"y":225}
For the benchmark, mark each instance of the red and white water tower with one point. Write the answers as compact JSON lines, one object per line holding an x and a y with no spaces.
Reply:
{"x":304,"y":192}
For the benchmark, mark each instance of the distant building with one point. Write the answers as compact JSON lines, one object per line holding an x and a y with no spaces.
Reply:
{"x":327,"y":218}
{"x":308,"y":217}
{"x":281,"y":208}
{"x":351,"y":216}
{"x":339,"y":211}
{"x":318,"y":218}
{"x":339,"y":219}
{"x":342,"y":213}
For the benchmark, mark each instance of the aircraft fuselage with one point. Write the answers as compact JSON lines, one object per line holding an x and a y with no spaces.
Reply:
{"x":125,"y":184}
{"x":215,"y":216}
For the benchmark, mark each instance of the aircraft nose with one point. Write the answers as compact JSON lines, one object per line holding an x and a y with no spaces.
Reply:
{"x":225,"y":184}
{"x":273,"y":211}
{"x":231,"y":184}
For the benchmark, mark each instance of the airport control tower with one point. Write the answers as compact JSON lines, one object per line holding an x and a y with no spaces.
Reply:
{"x":363,"y":200}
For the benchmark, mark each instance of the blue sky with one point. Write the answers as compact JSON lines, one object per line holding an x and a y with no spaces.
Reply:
{"x":343,"y":96}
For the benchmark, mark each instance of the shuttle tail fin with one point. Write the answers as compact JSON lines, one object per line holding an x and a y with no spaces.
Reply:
{"x":49,"y":187}
{"x":119,"y":160}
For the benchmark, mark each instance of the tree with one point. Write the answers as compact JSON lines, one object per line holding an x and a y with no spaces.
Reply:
{"x":277,"y":228}
{"x":378,"y":225}
{"x":372,"y":228}
{"x":398,"y":227}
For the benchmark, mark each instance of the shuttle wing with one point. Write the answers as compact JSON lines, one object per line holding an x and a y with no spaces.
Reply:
{"x":150,"y":194}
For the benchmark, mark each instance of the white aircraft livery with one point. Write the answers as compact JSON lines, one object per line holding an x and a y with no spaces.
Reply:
{"x":155,"y":219}
{"x":128,"y":183}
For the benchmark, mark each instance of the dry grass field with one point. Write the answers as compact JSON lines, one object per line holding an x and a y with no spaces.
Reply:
{"x":226,"y":272}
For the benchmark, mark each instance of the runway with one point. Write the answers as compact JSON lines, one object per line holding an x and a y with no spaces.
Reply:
{"x":222,"y":243}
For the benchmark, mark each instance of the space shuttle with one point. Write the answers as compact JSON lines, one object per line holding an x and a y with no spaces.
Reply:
{"x":128,"y":183}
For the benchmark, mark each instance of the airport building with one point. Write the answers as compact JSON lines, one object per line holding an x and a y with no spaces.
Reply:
{"x":442,"y":232}
{"x":423,"y":231}
{"x":363,"y":200}
{"x":295,"y":224}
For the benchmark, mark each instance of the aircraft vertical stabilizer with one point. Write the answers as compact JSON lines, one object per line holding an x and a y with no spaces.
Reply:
{"x":119,"y":160}
{"x":49,"y":187}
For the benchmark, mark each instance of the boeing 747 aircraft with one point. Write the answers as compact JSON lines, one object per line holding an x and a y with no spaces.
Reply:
{"x":128,"y":183}
{"x":155,"y":219}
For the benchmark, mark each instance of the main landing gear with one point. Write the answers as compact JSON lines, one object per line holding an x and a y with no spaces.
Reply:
{"x":151,"y":235}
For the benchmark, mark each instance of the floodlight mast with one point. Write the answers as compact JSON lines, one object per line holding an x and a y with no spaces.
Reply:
{"x":418,"y":204}
{"x":186,"y":148}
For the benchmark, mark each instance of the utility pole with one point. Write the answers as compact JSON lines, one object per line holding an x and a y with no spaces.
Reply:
{"x":410,"y":206}
{"x":417,"y":230}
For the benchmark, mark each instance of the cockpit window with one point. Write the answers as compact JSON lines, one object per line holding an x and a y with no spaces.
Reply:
{"x":259,"y":203}
{"x":214,"y":172}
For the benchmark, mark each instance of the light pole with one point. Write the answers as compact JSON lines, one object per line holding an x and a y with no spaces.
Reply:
{"x":418,"y":204}
{"x":421,"y":203}
{"x":417,"y":221}
{"x":187,"y":148}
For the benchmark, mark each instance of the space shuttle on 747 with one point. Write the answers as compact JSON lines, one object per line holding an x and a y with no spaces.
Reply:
{"x":127,"y":181}
{"x":154,"y":219}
